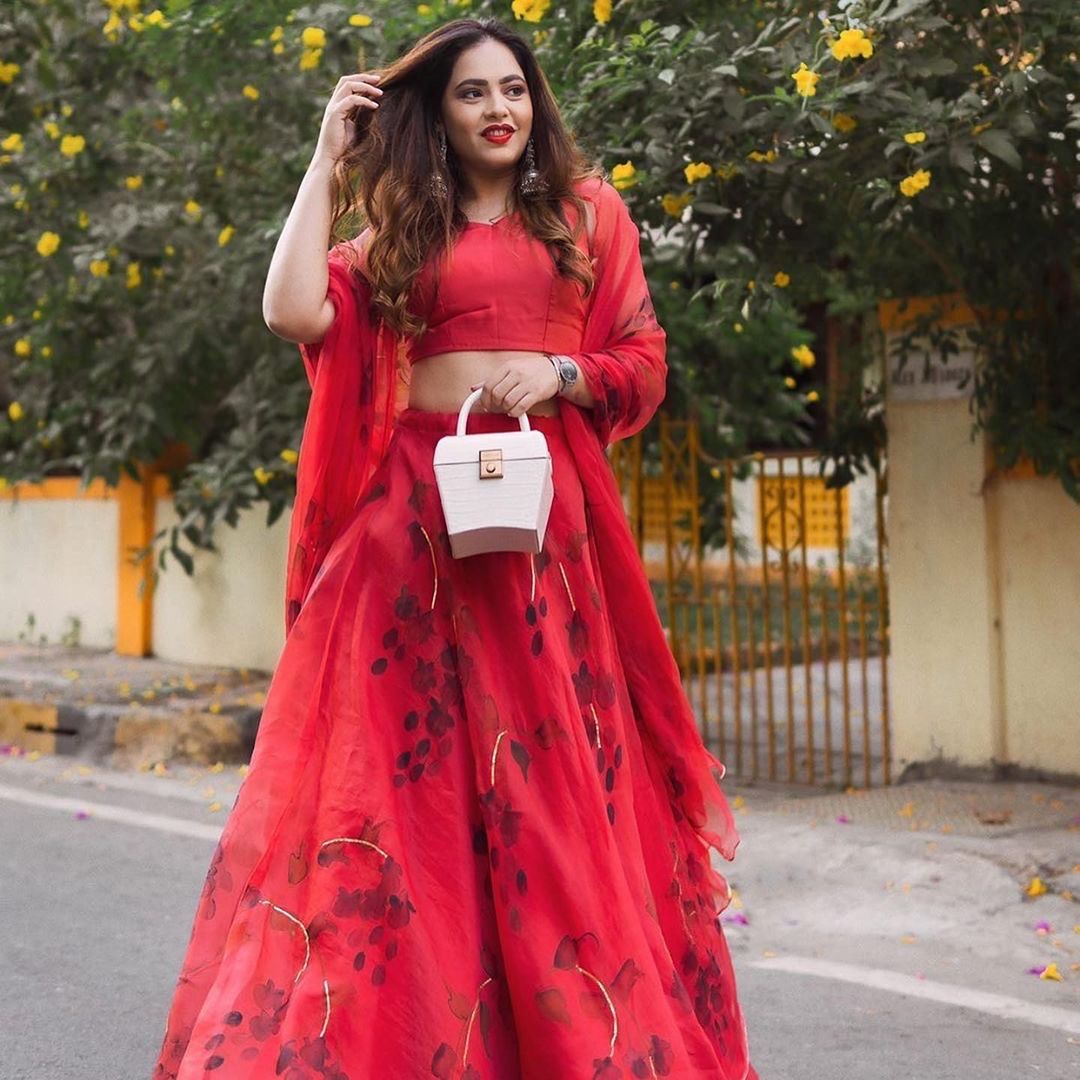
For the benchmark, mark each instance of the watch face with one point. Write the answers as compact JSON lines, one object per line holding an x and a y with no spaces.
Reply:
{"x":568,"y":370}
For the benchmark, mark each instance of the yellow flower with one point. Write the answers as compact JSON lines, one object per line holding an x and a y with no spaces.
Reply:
{"x":913,"y":137}
{"x":738,"y":327}
{"x":310,"y":58}
{"x":251,"y":92}
{"x":697,"y":170}
{"x":789,"y":382}
{"x":278,"y":33}
{"x":36,"y":315}
{"x":813,"y":395}
{"x":675,"y":204}
{"x":8,"y":73}
{"x":769,"y":155}
{"x":289,"y":456}
{"x":48,"y":243}
{"x":751,"y":285}
{"x":1051,"y":972}
{"x":530,"y":10}
{"x":136,"y":23}
{"x":170,"y":250}
{"x":845,"y":123}
{"x":70,"y":145}
{"x":9,"y":319}
{"x":1026,"y":60}
{"x":313,"y":37}
{"x":13,"y":142}
{"x":806,"y":80}
{"x":84,"y":219}
{"x":851,"y":43}
{"x":804,"y":355}
{"x":912,"y":185}
{"x":46,"y":351}
{"x":157,"y":18}
{"x":66,"y":110}
{"x":111,"y":29}
{"x":278,"y":49}
{"x":133,"y":183}
{"x":15,"y":411}
{"x":134,"y":275}
{"x":359,"y":20}
{"x":192,"y":209}
{"x":23,"y":347}
{"x":726,"y":172}
{"x":225,"y":235}
{"x":1036,"y":887}
{"x":623,"y":176}
{"x":979,"y":128}
{"x":99,"y":267}
{"x":261,"y":475}
{"x":52,"y":129}
{"x":781,"y":280}
{"x":602,"y":10}
{"x":982,"y":69}
{"x":423,"y":9}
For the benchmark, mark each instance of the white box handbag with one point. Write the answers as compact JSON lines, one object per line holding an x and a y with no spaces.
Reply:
{"x":495,"y":487}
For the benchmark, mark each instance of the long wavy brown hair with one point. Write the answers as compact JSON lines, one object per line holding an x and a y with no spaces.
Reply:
{"x":383,"y":179}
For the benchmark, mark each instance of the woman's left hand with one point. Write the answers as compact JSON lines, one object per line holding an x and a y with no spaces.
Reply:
{"x":518,"y":384}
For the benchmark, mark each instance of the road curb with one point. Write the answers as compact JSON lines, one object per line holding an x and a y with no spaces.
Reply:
{"x":125,"y":735}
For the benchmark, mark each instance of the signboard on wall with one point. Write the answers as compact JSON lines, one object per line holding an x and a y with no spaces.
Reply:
{"x":926,"y":376}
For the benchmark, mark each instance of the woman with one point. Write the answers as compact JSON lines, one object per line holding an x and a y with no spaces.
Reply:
{"x":474,"y":838}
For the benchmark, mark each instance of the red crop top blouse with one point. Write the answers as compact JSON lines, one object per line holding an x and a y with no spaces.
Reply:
{"x":498,"y":289}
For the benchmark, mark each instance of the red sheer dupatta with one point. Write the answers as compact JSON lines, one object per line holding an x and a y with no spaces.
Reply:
{"x":623,"y":362}
{"x":359,"y":383}
{"x":359,"y":378}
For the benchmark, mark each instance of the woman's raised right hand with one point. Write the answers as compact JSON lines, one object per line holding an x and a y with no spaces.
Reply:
{"x":337,"y":132}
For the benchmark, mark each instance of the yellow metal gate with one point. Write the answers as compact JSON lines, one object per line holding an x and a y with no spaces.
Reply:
{"x":785,"y":663}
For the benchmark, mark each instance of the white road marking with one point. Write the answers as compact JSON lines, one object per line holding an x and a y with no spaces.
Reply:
{"x":105,"y":812}
{"x":1009,"y":1008}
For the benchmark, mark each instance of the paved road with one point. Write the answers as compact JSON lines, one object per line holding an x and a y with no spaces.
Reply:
{"x":97,"y":912}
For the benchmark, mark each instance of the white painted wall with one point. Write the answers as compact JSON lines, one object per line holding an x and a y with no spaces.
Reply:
{"x":58,"y":564}
{"x":1040,"y":608}
{"x":984,"y":587}
{"x":232,"y":611}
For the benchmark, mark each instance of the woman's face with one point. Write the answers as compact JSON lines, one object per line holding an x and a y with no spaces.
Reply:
{"x":486,"y":87}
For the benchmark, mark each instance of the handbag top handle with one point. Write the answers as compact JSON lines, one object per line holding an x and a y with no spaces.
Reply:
{"x":467,"y":404}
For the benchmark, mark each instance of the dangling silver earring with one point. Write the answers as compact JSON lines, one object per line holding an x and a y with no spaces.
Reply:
{"x":532,"y":183}
{"x":438,"y":182}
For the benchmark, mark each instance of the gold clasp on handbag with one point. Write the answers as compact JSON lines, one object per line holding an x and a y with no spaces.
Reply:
{"x":491,"y":464}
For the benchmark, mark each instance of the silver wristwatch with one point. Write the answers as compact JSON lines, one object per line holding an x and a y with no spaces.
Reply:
{"x":565,"y":368}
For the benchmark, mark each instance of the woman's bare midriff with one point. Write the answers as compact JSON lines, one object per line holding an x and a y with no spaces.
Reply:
{"x":440,"y":383}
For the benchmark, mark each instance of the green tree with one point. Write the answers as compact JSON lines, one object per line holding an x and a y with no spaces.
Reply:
{"x":787,"y":163}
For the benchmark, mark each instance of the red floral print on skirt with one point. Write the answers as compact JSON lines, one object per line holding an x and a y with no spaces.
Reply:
{"x":451,"y":856}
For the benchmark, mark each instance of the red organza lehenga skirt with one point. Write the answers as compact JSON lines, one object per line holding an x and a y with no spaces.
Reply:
{"x":449,"y":857}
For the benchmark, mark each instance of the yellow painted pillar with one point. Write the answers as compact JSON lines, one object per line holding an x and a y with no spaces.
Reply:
{"x":134,"y":583}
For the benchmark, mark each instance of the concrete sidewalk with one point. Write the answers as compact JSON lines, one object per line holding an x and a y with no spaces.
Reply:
{"x":964,"y":892}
